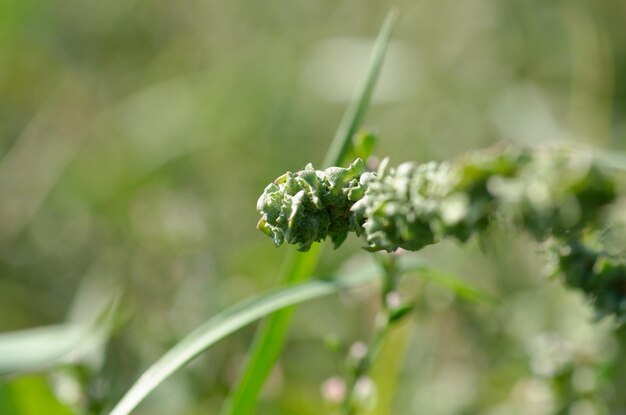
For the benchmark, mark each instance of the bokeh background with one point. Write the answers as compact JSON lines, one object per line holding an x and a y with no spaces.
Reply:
{"x":136,"y":136}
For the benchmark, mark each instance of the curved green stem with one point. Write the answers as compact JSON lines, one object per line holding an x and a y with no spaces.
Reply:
{"x":391,"y":279}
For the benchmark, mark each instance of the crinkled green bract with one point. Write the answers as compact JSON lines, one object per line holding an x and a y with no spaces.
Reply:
{"x":415,"y":205}
{"x":552,"y":193}
{"x":307,"y":206}
{"x":548,"y":192}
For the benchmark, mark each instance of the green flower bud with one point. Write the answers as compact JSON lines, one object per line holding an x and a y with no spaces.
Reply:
{"x":307,"y":206}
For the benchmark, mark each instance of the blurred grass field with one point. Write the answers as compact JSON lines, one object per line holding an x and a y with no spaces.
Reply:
{"x":136,"y":136}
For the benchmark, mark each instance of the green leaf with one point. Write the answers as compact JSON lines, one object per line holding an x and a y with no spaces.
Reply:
{"x":82,"y":337}
{"x":30,"y":395}
{"x":352,"y":119}
{"x":221,"y":326}
{"x":33,"y":349}
{"x":400,"y":312}
{"x":449,"y":281}
{"x":231,"y":320}
{"x":36,"y":348}
{"x":363,"y":144}
{"x":270,"y":337}
{"x":297,"y":267}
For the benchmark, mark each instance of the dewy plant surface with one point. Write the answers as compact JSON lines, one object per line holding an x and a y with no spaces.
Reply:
{"x":553,"y":193}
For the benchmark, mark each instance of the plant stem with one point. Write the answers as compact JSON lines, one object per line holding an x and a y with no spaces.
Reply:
{"x":391,"y":279}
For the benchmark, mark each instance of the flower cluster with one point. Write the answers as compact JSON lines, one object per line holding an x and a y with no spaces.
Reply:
{"x":547,"y":192}
{"x":558,"y":193}
{"x":307,"y":206}
{"x":550,"y":192}
{"x":415,"y":205}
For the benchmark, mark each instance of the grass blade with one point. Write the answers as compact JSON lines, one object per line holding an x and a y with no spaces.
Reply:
{"x":352,"y":119}
{"x":297,"y":267}
{"x":231,"y":320}
{"x":269,"y":338}
{"x":244,"y":313}
{"x":33,"y":349}
{"x":81,"y":336}
{"x":449,"y":281}
{"x":238,"y":316}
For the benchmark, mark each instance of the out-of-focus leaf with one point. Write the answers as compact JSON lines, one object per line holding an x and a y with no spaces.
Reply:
{"x":82,"y":337}
{"x":401,"y":312}
{"x":32,"y":349}
{"x":236,"y":317}
{"x":30,"y":395}
{"x":363,"y":144}
{"x":449,"y":281}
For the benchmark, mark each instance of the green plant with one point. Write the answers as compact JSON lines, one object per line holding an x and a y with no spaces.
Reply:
{"x":557,"y":193}
{"x":296,"y":268}
{"x":560,"y":195}
{"x":134,"y":157}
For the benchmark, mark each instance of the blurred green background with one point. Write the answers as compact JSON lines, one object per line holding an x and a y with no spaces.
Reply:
{"x":136,"y":136}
